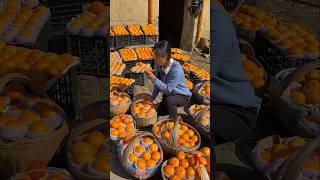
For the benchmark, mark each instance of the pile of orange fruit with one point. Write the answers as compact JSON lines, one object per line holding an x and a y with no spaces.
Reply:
{"x":135,"y":30}
{"x":202,"y":74}
{"x":128,"y":54}
{"x":189,"y":83}
{"x":254,"y":72}
{"x":307,"y":92}
{"x":251,"y":18}
{"x":181,"y":57}
{"x":115,"y":58}
{"x":186,"y":136}
{"x":196,"y":109}
{"x":143,"y":109}
{"x":111,"y":33}
{"x":149,"y":30}
{"x":120,"y":31}
{"x":117,"y":69}
{"x":175,"y":50}
{"x":205,"y":89}
{"x":121,"y":126}
{"x":141,"y":67}
{"x":144,"y":53}
{"x":121,"y":81}
{"x":22,"y":60}
{"x":187,"y":165}
{"x":146,"y":154}
{"x":91,"y":151}
{"x":117,"y":99}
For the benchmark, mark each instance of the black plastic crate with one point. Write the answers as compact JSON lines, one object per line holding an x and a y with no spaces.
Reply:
{"x":247,"y":35}
{"x":150,"y":40}
{"x":64,"y":92}
{"x":111,"y":41}
{"x":136,"y":40}
{"x":93,"y":53}
{"x":130,"y":90}
{"x":271,"y":57}
{"x":231,"y":5}
{"x":122,"y":41}
{"x":129,"y":65}
{"x":194,"y":79}
{"x":140,"y":78}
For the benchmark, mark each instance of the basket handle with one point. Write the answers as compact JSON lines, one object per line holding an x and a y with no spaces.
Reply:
{"x":247,"y":48}
{"x":142,"y":96}
{"x":201,"y":114}
{"x":23,"y":79}
{"x":296,"y":161}
{"x":173,"y":141}
{"x":291,"y":77}
{"x":239,"y":5}
{"x":140,"y":134}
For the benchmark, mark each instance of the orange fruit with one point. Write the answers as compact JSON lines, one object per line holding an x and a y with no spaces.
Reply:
{"x":156,"y":129}
{"x":166,"y":135}
{"x":154,"y":147}
{"x":115,"y":124}
{"x":184,"y":127}
{"x":192,"y":143}
{"x":129,"y":129}
{"x":156,"y":156}
{"x":190,"y":132}
{"x":185,"y":137}
{"x":146,"y":155}
{"x":147,"y":140}
{"x":180,"y":132}
{"x":141,"y":164}
{"x":197,"y":152}
{"x":140,"y":149}
{"x":190,"y":172}
{"x":186,"y":144}
{"x":37,"y":165}
{"x":133,"y":157}
{"x":96,"y":139}
{"x":206,"y":151}
{"x":174,"y":162}
{"x":122,"y":134}
{"x":181,"y":155}
{"x":175,"y":177}
{"x":136,"y":144}
{"x":194,"y":138}
{"x":169,"y":170}
{"x":180,"y":171}
{"x":181,"y":141}
{"x":184,"y":163}
{"x":151,"y":163}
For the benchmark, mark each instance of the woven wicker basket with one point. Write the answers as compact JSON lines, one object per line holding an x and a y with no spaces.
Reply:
{"x":195,"y":122}
{"x":124,"y":156}
{"x":247,"y":49}
{"x":143,"y":121}
{"x":16,"y":155}
{"x":97,"y":110}
{"x":49,"y":171}
{"x":121,"y":108}
{"x":76,"y":132}
{"x":172,"y":147}
{"x":201,"y":98}
{"x":288,"y":111}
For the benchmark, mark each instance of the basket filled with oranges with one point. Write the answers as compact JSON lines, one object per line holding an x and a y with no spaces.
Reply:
{"x":121,"y":36}
{"x":253,"y":68}
{"x":200,"y":118}
{"x":50,"y":173}
{"x":31,"y":126}
{"x":140,"y":154}
{"x":94,"y":111}
{"x":119,"y":102}
{"x":193,"y":165}
{"x":188,"y":82}
{"x":88,"y":151}
{"x":121,"y":126}
{"x":136,"y":34}
{"x":202,"y":92}
{"x":297,"y":99}
{"x":144,"y":112}
{"x":175,"y":135}
{"x":151,"y":34}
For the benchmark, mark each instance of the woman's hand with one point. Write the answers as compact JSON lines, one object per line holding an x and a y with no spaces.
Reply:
{"x":150,"y":75}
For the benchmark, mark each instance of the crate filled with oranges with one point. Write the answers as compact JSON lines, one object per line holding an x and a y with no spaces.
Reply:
{"x":136,"y":34}
{"x":196,"y":74}
{"x":129,"y":57}
{"x":121,"y":36}
{"x":181,"y":58}
{"x":194,"y":165}
{"x":138,"y":73}
{"x":140,"y":154}
{"x":151,"y":34}
{"x":175,"y":135}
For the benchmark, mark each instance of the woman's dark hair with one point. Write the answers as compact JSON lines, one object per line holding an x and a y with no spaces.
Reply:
{"x":163,"y":49}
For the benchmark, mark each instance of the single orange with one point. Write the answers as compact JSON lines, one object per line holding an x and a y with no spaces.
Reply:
{"x":174,"y":162}
{"x":190,"y":172}
{"x":181,"y":155}
{"x":180,"y":171}
{"x":146,"y":155}
{"x":156,"y":156}
{"x":133,"y":157}
{"x":140,"y":149}
{"x":153,"y":147}
{"x":141,"y":164}
{"x":151,"y":163}
{"x":175,"y":177}
{"x":169,"y":170}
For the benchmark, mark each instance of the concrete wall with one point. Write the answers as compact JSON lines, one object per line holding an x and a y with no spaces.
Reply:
{"x":123,"y":12}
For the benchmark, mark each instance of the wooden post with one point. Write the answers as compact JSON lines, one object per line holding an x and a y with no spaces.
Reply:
{"x":200,"y":23}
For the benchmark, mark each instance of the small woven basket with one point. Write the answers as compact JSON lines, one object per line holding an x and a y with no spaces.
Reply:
{"x":195,"y":122}
{"x":172,"y":146}
{"x":143,"y":121}
{"x":121,"y":108}
{"x":203,"y":99}
{"x":16,"y":155}
{"x":124,"y":156}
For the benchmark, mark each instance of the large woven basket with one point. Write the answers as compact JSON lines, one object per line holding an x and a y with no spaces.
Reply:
{"x":49,"y":171}
{"x":97,"y":110}
{"x":15,"y":156}
{"x":172,"y":146}
{"x":124,"y":156}
{"x":288,"y":111}
{"x":247,"y":49}
{"x":143,"y":121}
{"x":203,"y":99}
{"x":121,"y":108}
{"x":75,"y":133}
{"x":195,"y":122}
